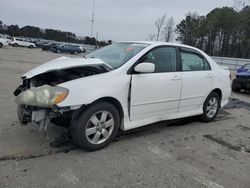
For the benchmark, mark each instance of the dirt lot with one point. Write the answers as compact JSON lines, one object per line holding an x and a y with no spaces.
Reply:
{"x":184,"y":153}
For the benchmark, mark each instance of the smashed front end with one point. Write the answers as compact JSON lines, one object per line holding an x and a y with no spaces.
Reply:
{"x":242,"y":81}
{"x":37,"y":97}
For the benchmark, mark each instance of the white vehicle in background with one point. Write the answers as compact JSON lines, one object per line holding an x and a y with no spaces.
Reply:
{"x":122,"y":86}
{"x":21,"y":42}
{"x":3,"y":42}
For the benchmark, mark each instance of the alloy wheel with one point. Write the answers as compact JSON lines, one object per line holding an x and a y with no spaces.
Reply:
{"x":99,"y":127}
{"x":212,"y":107}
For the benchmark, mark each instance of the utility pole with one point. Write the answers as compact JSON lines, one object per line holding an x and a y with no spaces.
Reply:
{"x":93,"y":19}
{"x":96,"y":41}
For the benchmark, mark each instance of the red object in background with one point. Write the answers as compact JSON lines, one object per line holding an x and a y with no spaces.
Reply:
{"x":129,"y":49}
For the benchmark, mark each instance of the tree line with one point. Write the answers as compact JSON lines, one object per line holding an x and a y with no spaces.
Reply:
{"x":48,"y":34}
{"x":222,"y":32}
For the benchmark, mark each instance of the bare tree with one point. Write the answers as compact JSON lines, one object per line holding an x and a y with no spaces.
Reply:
{"x":168,"y":31}
{"x":151,"y":37}
{"x":159,"y":23}
{"x":240,"y":4}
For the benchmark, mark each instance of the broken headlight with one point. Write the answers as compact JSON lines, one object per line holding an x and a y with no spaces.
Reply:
{"x":44,"y":96}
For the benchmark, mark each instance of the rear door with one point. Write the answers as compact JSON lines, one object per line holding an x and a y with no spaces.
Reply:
{"x":155,"y":95}
{"x":197,"y":79}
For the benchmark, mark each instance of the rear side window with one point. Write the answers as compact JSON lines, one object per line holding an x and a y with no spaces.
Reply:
{"x":164,"y":59}
{"x":193,"y":62}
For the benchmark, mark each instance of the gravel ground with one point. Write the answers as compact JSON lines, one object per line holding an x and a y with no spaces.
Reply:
{"x":183,"y":153}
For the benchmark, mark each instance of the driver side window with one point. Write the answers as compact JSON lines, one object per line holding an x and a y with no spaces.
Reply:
{"x":164,"y":59}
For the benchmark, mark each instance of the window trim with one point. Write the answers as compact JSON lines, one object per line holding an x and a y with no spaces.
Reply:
{"x":177,"y":67}
{"x":191,"y":51}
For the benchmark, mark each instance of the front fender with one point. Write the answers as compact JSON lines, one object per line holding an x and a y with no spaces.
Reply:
{"x":89,"y":89}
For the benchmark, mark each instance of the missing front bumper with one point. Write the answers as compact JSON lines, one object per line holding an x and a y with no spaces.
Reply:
{"x":41,"y":116}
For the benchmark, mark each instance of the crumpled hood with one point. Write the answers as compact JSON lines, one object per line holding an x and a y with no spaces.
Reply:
{"x":61,"y":63}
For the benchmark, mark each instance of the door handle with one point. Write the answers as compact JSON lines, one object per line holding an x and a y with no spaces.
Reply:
{"x":176,"y":78}
{"x":209,"y":76}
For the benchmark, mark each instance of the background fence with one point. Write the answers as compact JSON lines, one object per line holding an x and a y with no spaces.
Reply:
{"x":231,"y":63}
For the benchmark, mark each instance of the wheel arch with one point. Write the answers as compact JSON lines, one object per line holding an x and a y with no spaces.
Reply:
{"x":219,"y":92}
{"x":111,"y":100}
{"x":115,"y":102}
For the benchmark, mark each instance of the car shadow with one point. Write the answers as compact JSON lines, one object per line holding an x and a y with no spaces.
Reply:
{"x":155,"y":128}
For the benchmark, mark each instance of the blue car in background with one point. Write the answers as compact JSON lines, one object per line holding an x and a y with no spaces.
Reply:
{"x":242,"y":80}
{"x":68,"y":48}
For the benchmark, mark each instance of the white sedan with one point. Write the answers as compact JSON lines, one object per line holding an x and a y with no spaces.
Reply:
{"x":3,"y":42}
{"x":122,"y":86}
{"x":21,"y":42}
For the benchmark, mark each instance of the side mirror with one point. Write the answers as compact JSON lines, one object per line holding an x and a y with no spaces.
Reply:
{"x":145,"y":68}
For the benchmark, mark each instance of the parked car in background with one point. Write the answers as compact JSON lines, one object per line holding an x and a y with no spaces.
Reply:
{"x":68,"y":48}
{"x":6,"y":37}
{"x":122,"y":86}
{"x":9,"y":39}
{"x":3,"y":42}
{"x":242,"y":80}
{"x":21,"y":42}
{"x":49,"y":46}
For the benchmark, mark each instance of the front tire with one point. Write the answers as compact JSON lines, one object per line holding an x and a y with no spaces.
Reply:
{"x":96,"y":126}
{"x":210,"y":107}
{"x":15,"y":45}
{"x":1,"y":45}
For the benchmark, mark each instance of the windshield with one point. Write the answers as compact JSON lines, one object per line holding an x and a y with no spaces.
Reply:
{"x":115,"y":55}
{"x":247,"y":66}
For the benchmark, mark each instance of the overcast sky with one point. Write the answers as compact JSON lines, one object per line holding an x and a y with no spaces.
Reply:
{"x":114,"y":19}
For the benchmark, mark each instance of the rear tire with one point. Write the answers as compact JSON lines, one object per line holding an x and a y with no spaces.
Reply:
{"x":210,"y":107}
{"x":96,"y":126}
{"x":31,"y":46}
{"x":1,"y":45}
{"x":15,"y":45}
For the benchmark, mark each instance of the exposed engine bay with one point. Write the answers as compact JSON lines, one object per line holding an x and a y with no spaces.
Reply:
{"x":42,"y":115}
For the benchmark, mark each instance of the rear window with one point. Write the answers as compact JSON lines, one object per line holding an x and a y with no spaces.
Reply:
{"x":193,"y":62}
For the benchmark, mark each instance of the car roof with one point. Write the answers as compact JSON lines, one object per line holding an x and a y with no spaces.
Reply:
{"x":158,"y":43}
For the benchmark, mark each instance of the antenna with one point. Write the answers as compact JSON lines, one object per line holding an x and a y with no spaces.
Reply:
{"x":93,"y":18}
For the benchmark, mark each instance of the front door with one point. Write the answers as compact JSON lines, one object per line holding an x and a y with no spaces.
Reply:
{"x":154,"y":95}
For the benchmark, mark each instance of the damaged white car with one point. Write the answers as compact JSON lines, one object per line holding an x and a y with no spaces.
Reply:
{"x":122,"y":86}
